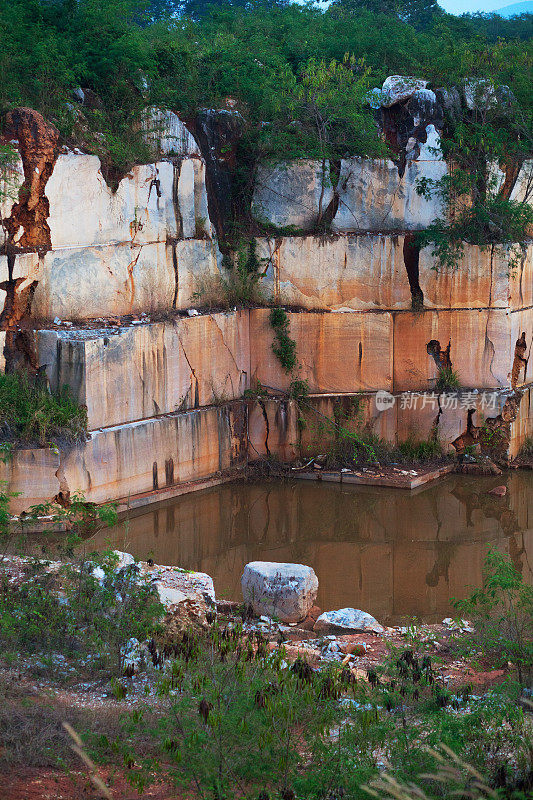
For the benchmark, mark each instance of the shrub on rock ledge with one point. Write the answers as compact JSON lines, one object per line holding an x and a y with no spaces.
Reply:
{"x":30,"y":414}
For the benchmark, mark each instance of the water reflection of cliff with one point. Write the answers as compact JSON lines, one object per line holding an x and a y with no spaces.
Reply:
{"x":393,"y":553}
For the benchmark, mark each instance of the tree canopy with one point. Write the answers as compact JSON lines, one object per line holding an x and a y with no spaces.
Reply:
{"x":189,"y":54}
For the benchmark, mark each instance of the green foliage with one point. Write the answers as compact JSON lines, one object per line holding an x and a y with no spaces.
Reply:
{"x":496,"y":133}
{"x":8,"y":160}
{"x":237,"y":718}
{"x":419,"y":13}
{"x":82,"y":516}
{"x":327,"y":100}
{"x":298,"y":389}
{"x":67,"y":611}
{"x":283,"y":347}
{"x":237,"y":286}
{"x":447,"y":381}
{"x":30,"y":414}
{"x":527,"y":447}
{"x":283,"y":63}
{"x":237,"y":721}
{"x":61,"y":608}
{"x":502,"y":614}
{"x":413,"y":451}
{"x":493,"y":439}
{"x":349,"y":442}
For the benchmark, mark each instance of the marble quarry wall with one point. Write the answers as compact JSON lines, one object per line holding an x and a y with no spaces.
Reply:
{"x":101,"y":291}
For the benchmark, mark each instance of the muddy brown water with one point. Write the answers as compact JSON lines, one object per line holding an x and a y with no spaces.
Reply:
{"x":399,"y":555}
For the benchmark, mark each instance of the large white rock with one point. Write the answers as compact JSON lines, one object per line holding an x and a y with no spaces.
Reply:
{"x":397,"y":88}
{"x":167,"y":134}
{"x":85,"y":212}
{"x":347,"y":620}
{"x":292,"y":194}
{"x":374,"y":197}
{"x":522,"y":191}
{"x":283,"y":591}
{"x":175,"y":585}
{"x":124,"y":559}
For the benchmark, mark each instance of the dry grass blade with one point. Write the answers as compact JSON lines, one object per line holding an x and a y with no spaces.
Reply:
{"x":480,"y":783}
{"x":77,"y":747}
{"x":459,"y":773}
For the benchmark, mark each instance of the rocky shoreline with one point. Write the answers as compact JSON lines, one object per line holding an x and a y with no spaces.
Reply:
{"x":278,"y":613}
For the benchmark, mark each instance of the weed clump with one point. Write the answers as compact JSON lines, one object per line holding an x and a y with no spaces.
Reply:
{"x":447,"y":381}
{"x":502,"y":613}
{"x":31,"y":414}
{"x":283,"y":347}
{"x":237,"y":286}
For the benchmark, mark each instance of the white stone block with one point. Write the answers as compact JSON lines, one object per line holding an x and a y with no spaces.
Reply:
{"x":84,"y":211}
{"x":347,"y":620}
{"x":283,"y":591}
{"x":167,"y":134}
{"x":374,"y":197}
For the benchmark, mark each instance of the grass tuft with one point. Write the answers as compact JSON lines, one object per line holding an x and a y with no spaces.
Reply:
{"x":31,"y":414}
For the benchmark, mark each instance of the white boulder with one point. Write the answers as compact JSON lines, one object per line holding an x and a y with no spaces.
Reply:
{"x":347,"y":620}
{"x":175,"y":585}
{"x":124,"y":559}
{"x":283,"y":591}
{"x":397,"y":88}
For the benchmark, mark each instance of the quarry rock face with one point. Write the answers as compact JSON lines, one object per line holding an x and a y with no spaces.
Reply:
{"x":140,"y":211}
{"x":285,"y":592}
{"x":408,"y":122}
{"x":109,"y":293}
{"x":206,"y":357}
{"x":294,"y":194}
{"x":347,"y":273}
{"x":369,"y":195}
{"x":167,"y":134}
{"x":218,"y":132}
{"x":373,"y":196}
{"x":100,"y":253}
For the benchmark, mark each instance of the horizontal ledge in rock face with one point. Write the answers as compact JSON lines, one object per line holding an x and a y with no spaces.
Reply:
{"x":115,"y":280}
{"x":154,"y":367}
{"x":132,"y":459}
{"x":152,"y":460}
{"x":368,"y":272}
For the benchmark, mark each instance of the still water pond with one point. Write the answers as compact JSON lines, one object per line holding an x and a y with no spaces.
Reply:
{"x":396,"y":554}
